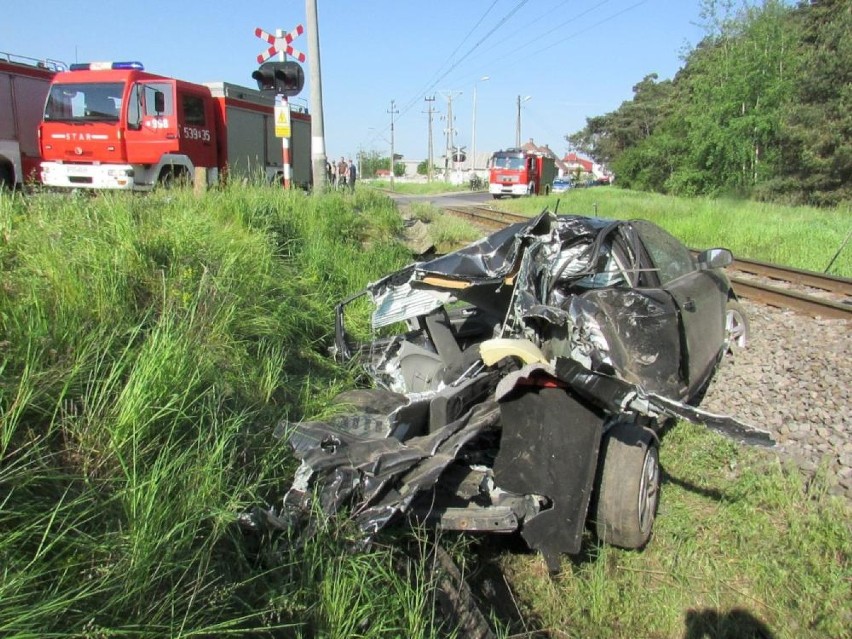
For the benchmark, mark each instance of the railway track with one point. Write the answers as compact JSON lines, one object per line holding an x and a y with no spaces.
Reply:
{"x":807,"y":292}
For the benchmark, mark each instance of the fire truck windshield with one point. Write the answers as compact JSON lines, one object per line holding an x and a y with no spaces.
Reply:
{"x":507,"y":162}
{"x":89,"y":102}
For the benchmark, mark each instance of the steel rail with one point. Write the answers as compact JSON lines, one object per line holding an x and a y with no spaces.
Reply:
{"x":793,"y":300}
{"x":766,"y":293}
{"x":822,"y":281}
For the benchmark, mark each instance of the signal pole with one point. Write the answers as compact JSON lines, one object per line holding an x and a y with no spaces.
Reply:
{"x":430,"y":112}
{"x":318,"y":157}
{"x":285,"y":140}
{"x":392,"y":112}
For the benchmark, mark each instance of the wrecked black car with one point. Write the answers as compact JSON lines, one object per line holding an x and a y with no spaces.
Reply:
{"x":520,"y":384}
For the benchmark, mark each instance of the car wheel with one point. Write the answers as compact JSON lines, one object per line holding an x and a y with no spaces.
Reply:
{"x":736,"y":327}
{"x":629,"y":487}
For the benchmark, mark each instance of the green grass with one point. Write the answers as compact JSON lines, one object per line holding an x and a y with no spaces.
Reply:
{"x":149,"y":346}
{"x":417,"y":188}
{"x":446,"y":232}
{"x":741,"y":543}
{"x":803,"y":237}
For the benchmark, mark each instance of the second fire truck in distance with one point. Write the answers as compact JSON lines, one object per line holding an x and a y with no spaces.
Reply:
{"x":116,"y":126}
{"x":24,"y":83}
{"x":516,"y":172}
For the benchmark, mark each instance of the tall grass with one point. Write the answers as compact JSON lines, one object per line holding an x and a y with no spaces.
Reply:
{"x":798,"y":236}
{"x":149,"y":345}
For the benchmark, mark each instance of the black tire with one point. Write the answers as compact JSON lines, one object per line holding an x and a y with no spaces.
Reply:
{"x":628,"y":487}
{"x":173,"y":177}
{"x":736,"y":327}
{"x":167,"y":178}
{"x":459,"y":609}
{"x":7,"y":177}
{"x":547,"y":190}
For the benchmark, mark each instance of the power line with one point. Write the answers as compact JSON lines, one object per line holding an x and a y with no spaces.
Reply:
{"x":459,"y":46}
{"x":530,"y":41}
{"x":502,"y":21}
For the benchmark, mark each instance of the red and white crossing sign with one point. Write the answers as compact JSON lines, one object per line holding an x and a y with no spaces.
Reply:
{"x":280,"y":45}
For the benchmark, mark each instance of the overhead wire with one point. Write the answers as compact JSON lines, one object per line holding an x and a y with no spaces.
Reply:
{"x":435,"y":82}
{"x":513,"y":58}
{"x":459,"y":46}
{"x":432,"y":83}
{"x":538,"y":37}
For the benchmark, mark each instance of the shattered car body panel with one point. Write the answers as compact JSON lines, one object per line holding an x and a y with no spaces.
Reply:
{"x":589,"y":327}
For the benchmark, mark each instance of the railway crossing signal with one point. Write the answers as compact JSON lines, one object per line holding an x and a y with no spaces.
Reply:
{"x":283,"y":78}
{"x":280,"y":45}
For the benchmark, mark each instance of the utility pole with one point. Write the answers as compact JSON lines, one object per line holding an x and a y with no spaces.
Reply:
{"x":318,"y":158}
{"x":473,"y":129}
{"x":429,"y":162}
{"x":518,"y":124}
{"x":450,"y":131}
{"x":392,"y":112}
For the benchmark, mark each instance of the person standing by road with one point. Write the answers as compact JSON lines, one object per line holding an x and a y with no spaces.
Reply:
{"x":353,"y":173}
{"x":342,"y":170}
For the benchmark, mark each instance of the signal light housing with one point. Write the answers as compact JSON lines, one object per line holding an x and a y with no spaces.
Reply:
{"x":283,"y":78}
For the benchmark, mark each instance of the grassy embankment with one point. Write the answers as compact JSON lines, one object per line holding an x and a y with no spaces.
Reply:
{"x":799,"y":236}
{"x":149,"y":345}
{"x":417,"y":188}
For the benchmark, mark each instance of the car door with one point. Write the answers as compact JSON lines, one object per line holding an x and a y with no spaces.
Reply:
{"x":640,"y":320}
{"x":698,"y":297}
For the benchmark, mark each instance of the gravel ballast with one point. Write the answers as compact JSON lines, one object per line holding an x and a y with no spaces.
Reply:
{"x":794,"y":380}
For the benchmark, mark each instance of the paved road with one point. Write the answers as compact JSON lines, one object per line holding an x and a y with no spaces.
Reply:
{"x":460,"y":198}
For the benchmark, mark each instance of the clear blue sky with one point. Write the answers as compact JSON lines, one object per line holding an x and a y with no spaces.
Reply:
{"x":574,"y":58}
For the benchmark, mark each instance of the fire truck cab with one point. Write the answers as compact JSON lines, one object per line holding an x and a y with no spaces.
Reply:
{"x":24,"y":83}
{"x":116,"y":126}
{"x":516,"y":172}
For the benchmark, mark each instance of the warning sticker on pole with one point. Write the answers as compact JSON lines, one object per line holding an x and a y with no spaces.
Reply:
{"x":282,"y":120}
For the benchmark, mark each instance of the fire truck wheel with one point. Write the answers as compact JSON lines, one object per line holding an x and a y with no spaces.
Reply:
{"x":6,"y":177}
{"x":172,"y":176}
{"x":531,"y":189}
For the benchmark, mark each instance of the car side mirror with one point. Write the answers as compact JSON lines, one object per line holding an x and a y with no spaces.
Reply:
{"x":715,"y":258}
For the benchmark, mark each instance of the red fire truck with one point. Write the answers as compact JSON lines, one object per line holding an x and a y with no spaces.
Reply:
{"x":517,"y":172}
{"x":115,"y":126}
{"x":24,"y":83}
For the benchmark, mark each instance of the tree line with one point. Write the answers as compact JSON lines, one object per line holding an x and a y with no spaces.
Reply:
{"x":761,"y":108}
